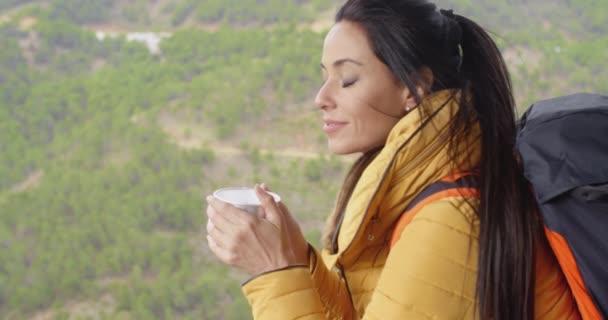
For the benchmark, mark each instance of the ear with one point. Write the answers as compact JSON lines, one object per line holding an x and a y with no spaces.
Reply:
{"x":408,"y":98}
{"x":424,"y":83}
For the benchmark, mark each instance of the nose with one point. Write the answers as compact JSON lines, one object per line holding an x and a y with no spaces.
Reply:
{"x":324,"y":99}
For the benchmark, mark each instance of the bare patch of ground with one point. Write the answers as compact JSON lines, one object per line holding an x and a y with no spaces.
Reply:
{"x":189,"y":134}
{"x":30,"y":182}
{"x":8,"y":15}
{"x":43,"y":315}
{"x":26,"y":23}
{"x":517,"y":56}
{"x":117,"y":156}
{"x":323,"y":22}
{"x":28,"y":46}
{"x":106,"y":27}
{"x":95,"y":309}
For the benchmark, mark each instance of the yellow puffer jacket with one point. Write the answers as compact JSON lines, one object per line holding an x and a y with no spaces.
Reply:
{"x":430,"y":272}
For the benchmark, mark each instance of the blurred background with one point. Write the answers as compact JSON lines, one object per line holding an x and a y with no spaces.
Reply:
{"x":117,"y":117}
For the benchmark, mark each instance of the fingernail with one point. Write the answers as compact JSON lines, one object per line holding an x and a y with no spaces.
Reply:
{"x":209,"y":198}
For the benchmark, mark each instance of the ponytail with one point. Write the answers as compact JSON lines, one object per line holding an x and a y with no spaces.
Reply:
{"x":508,"y":227}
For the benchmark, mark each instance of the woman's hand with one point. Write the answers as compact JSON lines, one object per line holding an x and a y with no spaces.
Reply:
{"x":259,"y":243}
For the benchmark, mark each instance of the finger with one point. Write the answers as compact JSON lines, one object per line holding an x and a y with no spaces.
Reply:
{"x":217,"y":235}
{"x":234,"y":215}
{"x":210,"y":225}
{"x":222,"y":254}
{"x":222,"y":210}
{"x":261,"y":212}
{"x":273,"y":213}
{"x":218,"y":205}
{"x":228,"y":235}
{"x":219,"y":220}
{"x":216,"y":232}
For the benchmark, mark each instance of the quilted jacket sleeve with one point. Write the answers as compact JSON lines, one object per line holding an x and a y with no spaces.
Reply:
{"x":283,"y":295}
{"x":311,"y":292}
{"x":429,"y":274}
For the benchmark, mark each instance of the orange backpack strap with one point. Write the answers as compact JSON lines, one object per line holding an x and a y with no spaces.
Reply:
{"x":568,"y":264}
{"x":458,"y":185}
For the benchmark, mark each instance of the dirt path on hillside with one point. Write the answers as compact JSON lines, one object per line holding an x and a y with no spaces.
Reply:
{"x":287,"y":153}
{"x":190,"y":136}
{"x":7,"y":14}
{"x":227,"y":151}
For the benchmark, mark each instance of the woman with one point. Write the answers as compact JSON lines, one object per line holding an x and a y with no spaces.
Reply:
{"x":424,"y":95}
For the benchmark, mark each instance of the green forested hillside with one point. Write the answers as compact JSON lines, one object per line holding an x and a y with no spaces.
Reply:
{"x":178,"y":13}
{"x":107,"y":149}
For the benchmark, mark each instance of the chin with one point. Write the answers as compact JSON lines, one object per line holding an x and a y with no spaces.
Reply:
{"x":343,"y":153}
{"x":341,"y":149}
{"x":344,"y":149}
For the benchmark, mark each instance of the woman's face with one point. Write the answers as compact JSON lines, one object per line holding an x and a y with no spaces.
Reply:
{"x":360,"y":98}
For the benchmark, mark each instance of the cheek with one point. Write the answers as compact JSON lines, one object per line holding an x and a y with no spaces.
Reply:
{"x":381,"y":95}
{"x":372,"y":111}
{"x":387,"y":100}
{"x":375,"y":107}
{"x":371,"y":127}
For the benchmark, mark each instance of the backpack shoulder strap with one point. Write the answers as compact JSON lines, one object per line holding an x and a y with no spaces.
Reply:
{"x":451,"y":186}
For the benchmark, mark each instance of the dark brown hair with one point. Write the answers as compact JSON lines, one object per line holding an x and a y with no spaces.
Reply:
{"x":408,"y":35}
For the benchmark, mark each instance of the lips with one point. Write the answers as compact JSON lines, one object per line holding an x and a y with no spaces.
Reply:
{"x":330,"y":126}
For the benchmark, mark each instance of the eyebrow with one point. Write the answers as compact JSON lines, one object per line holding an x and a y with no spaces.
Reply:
{"x":340,"y":62}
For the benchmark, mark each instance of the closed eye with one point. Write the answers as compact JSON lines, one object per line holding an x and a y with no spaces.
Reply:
{"x":348,"y":83}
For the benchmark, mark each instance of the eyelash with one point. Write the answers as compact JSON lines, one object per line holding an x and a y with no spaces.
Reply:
{"x":349,"y":83}
{"x":344,"y":84}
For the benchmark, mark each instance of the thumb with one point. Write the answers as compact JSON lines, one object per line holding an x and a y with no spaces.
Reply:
{"x":289,"y":219}
{"x":273,"y":212}
{"x":261,"y":213}
{"x":264,"y":187}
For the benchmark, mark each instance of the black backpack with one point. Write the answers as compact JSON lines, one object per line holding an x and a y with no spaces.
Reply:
{"x":563,"y":144}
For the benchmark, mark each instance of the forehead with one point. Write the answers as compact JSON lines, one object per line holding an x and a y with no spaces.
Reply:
{"x":346,"y":40}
